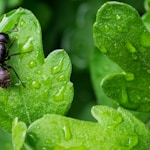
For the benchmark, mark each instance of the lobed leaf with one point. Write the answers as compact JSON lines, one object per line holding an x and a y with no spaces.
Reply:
{"x":120,"y":33}
{"x":118,"y":127}
{"x":47,"y":81}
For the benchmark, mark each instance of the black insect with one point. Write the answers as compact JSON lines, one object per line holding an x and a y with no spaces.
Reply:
{"x":4,"y":56}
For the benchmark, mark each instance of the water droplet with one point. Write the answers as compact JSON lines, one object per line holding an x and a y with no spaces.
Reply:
{"x":39,"y":72}
{"x":58,"y":67}
{"x":46,"y":80}
{"x":148,"y":71}
{"x":48,"y":142}
{"x":134,"y":57}
{"x":35,"y":84}
{"x":38,"y":127}
{"x":4,"y":98}
{"x":129,"y":76}
{"x":115,"y":46}
{"x":103,"y":49}
{"x":146,"y":99}
{"x":125,"y":101}
{"x":118,"y":17}
{"x":44,"y":148}
{"x":26,"y":45}
{"x":67,"y":132}
{"x":131,"y":141}
{"x":32,"y":138}
{"x":60,"y":95}
{"x":130,"y":47}
{"x":145,"y":38}
{"x":32,"y":64}
{"x":138,"y":97}
{"x":28,"y":78}
{"x":22,"y":23}
{"x":119,"y":28}
{"x":116,"y":121}
{"x":106,"y":28}
{"x":61,"y":78}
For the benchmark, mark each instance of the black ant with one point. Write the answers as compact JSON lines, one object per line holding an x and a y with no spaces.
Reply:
{"x":4,"y":56}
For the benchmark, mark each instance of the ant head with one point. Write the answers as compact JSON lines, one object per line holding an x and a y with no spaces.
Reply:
{"x":4,"y":37}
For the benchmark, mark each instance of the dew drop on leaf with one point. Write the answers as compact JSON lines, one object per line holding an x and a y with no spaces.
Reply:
{"x":116,"y":121}
{"x":44,"y":148}
{"x":130,"y":47}
{"x":148,"y":71}
{"x":32,"y":139}
{"x":118,"y":17}
{"x":27,"y":45}
{"x":60,"y":95}
{"x":119,"y":28}
{"x":103,"y":49}
{"x":61,"y":78}
{"x":35,"y":84}
{"x":145,"y":38}
{"x":22,"y":23}
{"x":131,"y":141}
{"x":32,"y":64}
{"x":106,"y":28}
{"x":134,"y":57}
{"x":129,"y":76}
{"x":58,"y":67}
{"x":67,"y":132}
{"x":28,"y":78}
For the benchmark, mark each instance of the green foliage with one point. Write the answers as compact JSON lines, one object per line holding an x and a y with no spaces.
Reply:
{"x":119,"y":79}
{"x":58,"y":132}
{"x":120,"y":33}
{"x":47,"y":86}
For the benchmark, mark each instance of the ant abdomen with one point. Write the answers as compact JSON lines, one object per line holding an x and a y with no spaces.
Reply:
{"x":4,"y":38}
{"x":4,"y":78}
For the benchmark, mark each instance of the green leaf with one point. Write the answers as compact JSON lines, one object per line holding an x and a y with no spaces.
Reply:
{"x":120,"y":33}
{"x":116,"y":129}
{"x":18,"y":134}
{"x":101,"y":66}
{"x":47,"y":86}
{"x":5,"y":140}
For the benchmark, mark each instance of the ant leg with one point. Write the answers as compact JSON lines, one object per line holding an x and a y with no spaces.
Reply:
{"x":19,"y":53}
{"x":8,"y":57}
{"x":10,"y":67}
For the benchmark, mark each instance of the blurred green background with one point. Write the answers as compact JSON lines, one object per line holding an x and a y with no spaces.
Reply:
{"x":67,"y":24}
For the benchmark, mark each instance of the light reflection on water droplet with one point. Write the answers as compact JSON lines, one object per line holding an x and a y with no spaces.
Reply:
{"x":106,"y":27}
{"x":61,"y":78}
{"x":134,"y":57}
{"x":32,"y":64}
{"x":118,"y":17}
{"x":145,"y":38}
{"x":44,"y":148}
{"x":129,"y":76}
{"x":60,"y":95}
{"x":22,"y":23}
{"x":32,"y":138}
{"x":148,"y":71}
{"x":116,"y":121}
{"x":35,"y":84}
{"x":130,"y":47}
{"x":28,"y":78}
{"x":131,"y":141}
{"x":58,"y":67}
{"x":27,"y":45}
{"x":119,"y":28}
{"x":67,"y":132}
{"x":103,"y":49}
